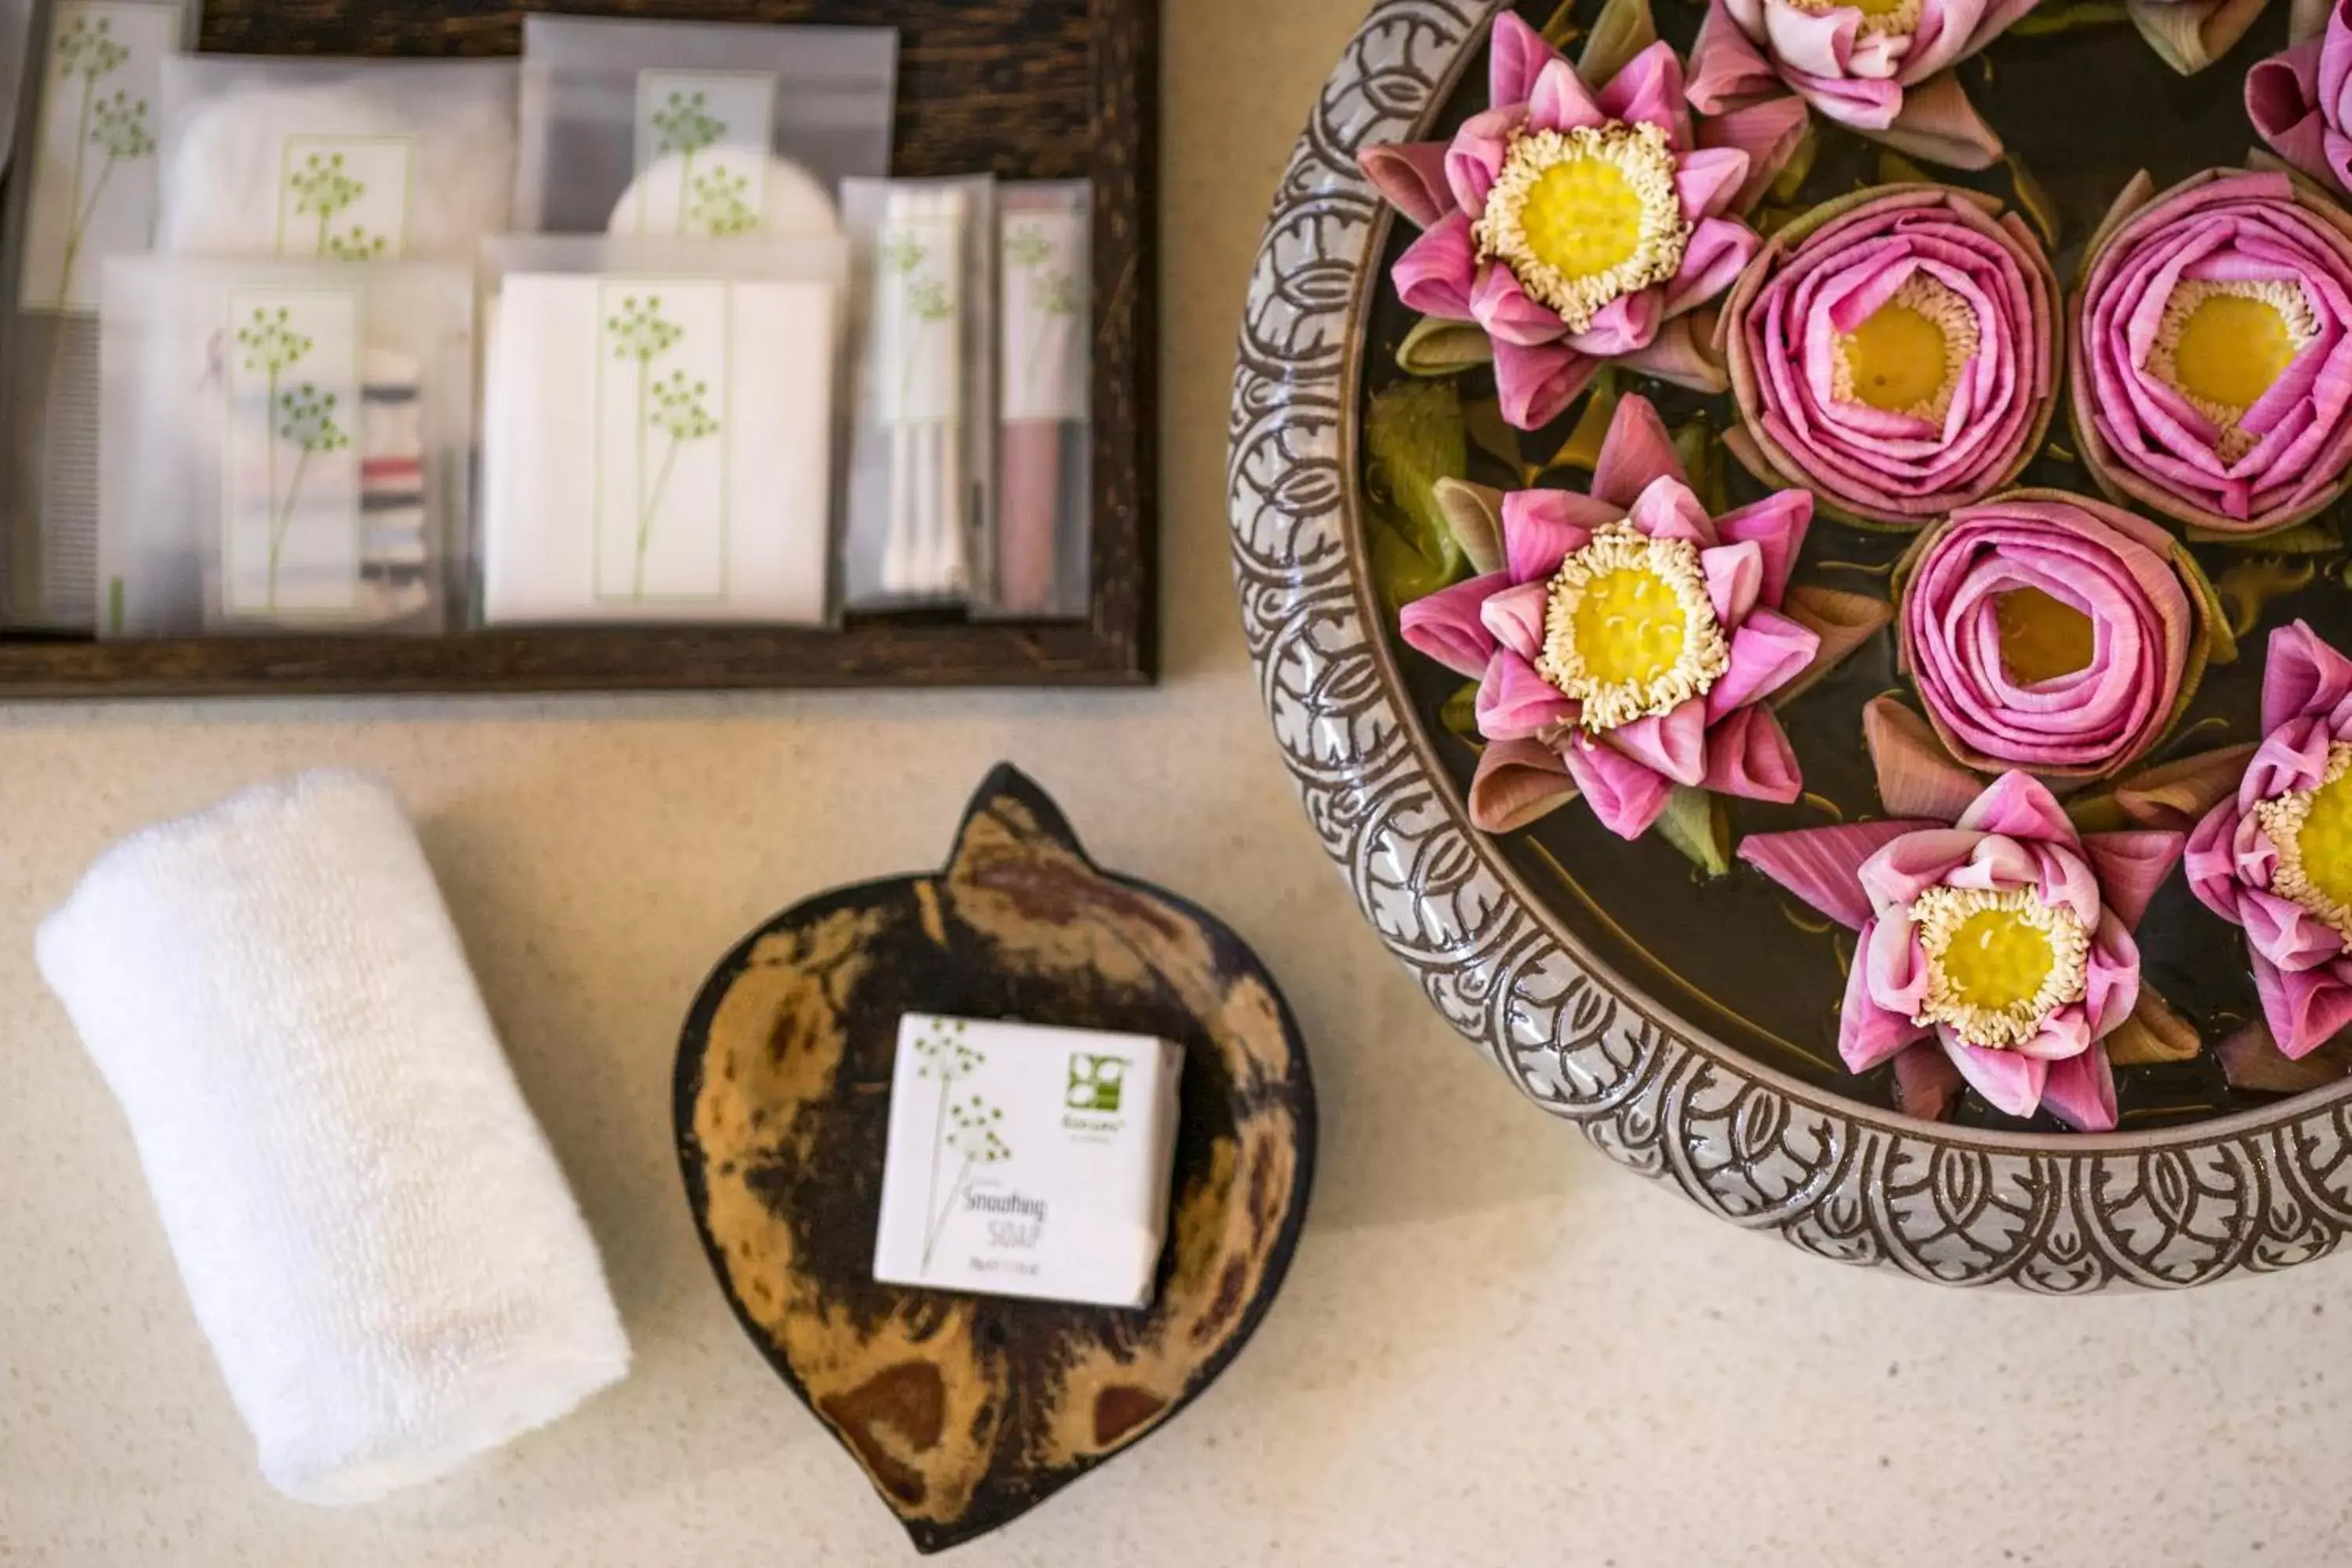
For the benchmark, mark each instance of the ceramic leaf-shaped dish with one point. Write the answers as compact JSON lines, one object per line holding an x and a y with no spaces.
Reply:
{"x":965,"y":1411}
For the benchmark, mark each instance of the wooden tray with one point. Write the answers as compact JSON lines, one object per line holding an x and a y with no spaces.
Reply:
{"x":1022,"y":88}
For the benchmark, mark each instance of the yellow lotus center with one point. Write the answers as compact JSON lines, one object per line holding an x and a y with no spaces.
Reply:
{"x":1999,"y":963}
{"x":1582,"y":218}
{"x":1585,"y":217}
{"x":1628,"y":626}
{"x":1906,"y":356}
{"x":2325,"y":841}
{"x":2232,"y":349}
{"x":2312,"y":831}
{"x":2221,"y":345}
{"x":1996,"y":960}
{"x":2041,"y":637}
{"x":1629,"y":630}
{"x":1897,"y":356}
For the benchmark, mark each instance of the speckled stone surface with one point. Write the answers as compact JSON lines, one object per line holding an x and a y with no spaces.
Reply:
{"x":1492,"y":1349}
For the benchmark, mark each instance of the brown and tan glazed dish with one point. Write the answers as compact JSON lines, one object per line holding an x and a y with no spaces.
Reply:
{"x":965,"y":1411}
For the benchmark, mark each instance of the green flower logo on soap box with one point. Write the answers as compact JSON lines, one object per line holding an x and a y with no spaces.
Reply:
{"x":1096,"y":1082}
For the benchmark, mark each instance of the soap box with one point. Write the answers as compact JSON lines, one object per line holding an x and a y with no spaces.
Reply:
{"x":1027,"y":1161}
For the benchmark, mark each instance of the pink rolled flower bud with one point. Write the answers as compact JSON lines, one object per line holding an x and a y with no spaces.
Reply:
{"x":2212,"y":364}
{"x":2001,"y":939}
{"x":1895,"y":351}
{"x":2276,"y":856}
{"x":2052,"y":633}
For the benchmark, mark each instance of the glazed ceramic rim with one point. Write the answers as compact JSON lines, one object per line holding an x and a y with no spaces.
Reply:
{"x":1324,"y":195}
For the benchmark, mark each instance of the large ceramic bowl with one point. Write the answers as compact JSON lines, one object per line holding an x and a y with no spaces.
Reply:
{"x":1653,"y":1079}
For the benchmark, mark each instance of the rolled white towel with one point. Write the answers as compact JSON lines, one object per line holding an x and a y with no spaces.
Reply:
{"x":374,"y":1234}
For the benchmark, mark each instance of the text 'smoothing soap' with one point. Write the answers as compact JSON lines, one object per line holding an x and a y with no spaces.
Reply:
{"x":1026,"y":1161}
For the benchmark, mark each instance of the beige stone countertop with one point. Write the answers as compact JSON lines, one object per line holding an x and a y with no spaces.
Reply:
{"x":1494,"y":1348}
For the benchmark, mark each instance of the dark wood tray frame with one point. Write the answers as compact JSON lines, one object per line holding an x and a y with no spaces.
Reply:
{"x":1026,"y":88}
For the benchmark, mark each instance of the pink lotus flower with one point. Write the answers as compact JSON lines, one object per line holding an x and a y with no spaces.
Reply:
{"x":2275,"y":857}
{"x":2301,"y":102}
{"x":1883,"y":70}
{"x":1575,"y":229}
{"x":2002,"y":941}
{"x":2212,"y":364}
{"x":2051,"y":633}
{"x":1629,"y":643}
{"x":1895,"y":351}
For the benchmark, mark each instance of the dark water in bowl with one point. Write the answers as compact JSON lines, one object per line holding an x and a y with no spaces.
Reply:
{"x":2083,"y":110}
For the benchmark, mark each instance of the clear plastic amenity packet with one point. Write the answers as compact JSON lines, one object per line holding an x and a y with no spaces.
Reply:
{"x":16,"y":58}
{"x":286,"y":445}
{"x":82,"y":188}
{"x":659,"y":426}
{"x":917,"y":498}
{"x":690,"y":128}
{"x":1045,"y":458}
{"x":343,"y":159}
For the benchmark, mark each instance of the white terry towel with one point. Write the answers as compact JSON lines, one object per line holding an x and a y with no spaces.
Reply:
{"x":372,"y":1228}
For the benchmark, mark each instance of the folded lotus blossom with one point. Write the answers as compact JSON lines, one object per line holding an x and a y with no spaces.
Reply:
{"x":2001,"y":939}
{"x":2051,"y":633}
{"x":2300,"y":101}
{"x":1629,"y":642}
{"x":2212,"y":366}
{"x":1895,"y":351}
{"x":2276,"y":856}
{"x":1880,"y":66}
{"x":1576,"y":227}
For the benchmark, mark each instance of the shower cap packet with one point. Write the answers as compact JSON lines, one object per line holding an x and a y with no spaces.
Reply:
{"x":710,"y":129}
{"x":358,"y":160}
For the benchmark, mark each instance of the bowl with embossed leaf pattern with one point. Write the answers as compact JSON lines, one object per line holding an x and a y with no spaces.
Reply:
{"x":1795,"y":551}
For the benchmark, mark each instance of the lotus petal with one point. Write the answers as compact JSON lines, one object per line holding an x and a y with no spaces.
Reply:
{"x":2176,"y":795}
{"x":2251,"y":1059}
{"x":1938,"y":125}
{"x":2131,"y":866}
{"x":2154,"y":1033}
{"x":1842,"y":621}
{"x":1915,"y":778}
{"x":1411,"y":175}
{"x":1473,"y":513}
{"x":2010,"y":1083}
{"x":1822,"y":865}
{"x":1927,"y":1084}
{"x":1535,"y":385}
{"x":1869,"y":1034}
{"x":1448,"y":626}
{"x":2190,"y":35}
{"x":1518,"y":782}
{"x":1624,"y":795}
{"x":2081,"y":1091}
{"x":2306,"y":1008}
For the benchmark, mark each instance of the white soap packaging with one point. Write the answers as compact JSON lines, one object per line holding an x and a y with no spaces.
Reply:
{"x":658,"y":429}
{"x":1027,"y":1161}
